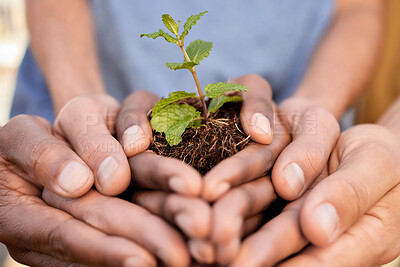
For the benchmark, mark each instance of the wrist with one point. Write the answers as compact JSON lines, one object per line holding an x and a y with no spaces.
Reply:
{"x":333,"y":104}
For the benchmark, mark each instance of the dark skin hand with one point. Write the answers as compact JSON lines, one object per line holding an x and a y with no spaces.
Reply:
{"x":76,"y":230}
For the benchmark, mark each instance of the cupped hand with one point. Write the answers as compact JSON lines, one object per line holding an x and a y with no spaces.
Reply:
{"x":175,"y":186}
{"x":314,"y":133}
{"x":39,"y":235}
{"x":259,"y":121}
{"x":350,"y":217}
{"x":149,"y":170}
{"x":87,"y":123}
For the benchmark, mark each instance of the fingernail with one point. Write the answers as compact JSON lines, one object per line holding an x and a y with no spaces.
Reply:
{"x":261,"y":124}
{"x":328,"y":219}
{"x":294,"y":176}
{"x":185,"y":222}
{"x":73,"y":176}
{"x":136,"y":261}
{"x":177,"y":184}
{"x":131,"y":135}
{"x":106,"y":170}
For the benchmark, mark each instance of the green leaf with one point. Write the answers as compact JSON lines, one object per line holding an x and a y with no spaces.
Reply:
{"x":174,"y":133}
{"x":196,"y":122}
{"x":198,"y":50}
{"x":218,"y":89}
{"x":160,"y":33}
{"x":218,"y":102}
{"x":190,"y":22}
{"x":170,"y":23}
{"x":173,"y":97}
{"x":170,"y":115}
{"x":180,"y":66}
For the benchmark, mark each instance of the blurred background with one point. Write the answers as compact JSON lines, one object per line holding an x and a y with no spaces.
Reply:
{"x":383,"y":88}
{"x":13,"y":39}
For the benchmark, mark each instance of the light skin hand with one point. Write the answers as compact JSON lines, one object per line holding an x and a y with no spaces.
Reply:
{"x":353,"y":212}
{"x":314,"y":134}
{"x":258,"y":120}
{"x":231,"y":215}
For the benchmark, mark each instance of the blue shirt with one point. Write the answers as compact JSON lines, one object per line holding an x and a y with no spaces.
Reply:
{"x":272,"y":38}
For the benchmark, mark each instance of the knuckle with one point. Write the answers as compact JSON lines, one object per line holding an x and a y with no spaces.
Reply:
{"x":41,"y":153}
{"x":128,"y":117}
{"x":358,"y":194}
{"x":56,"y":241}
{"x":314,"y":158}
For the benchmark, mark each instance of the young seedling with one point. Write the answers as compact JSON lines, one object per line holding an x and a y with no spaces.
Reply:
{"x":173,"y":118}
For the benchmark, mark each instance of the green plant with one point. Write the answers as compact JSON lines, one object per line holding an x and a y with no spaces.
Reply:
{"x":173,"y":118}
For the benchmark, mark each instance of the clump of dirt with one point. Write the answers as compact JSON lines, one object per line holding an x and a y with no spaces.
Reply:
{"x":204,"y":147}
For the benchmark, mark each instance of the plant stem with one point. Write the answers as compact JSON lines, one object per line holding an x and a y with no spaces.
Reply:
{"x":196,"y":80}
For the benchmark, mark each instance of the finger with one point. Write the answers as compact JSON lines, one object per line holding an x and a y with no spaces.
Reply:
{"x":230,"y":212}
{"x":251,"y":224}
{"x":33,"y":258}
{"x":232,"y":209}
{"x":203,"y":251}
{"x":372,"y":241}
{"x":30,"y":224}
{"x":118,"y":217}
{"x":85,"y":122}
{"x":252,"y":162}
{"x":315,"y":132}
{"x":133,"y":126}
{"x":191,"y":215}
{"x":28,"y":143}
{"x":156,"y":172}
{"x":359,"y":182}
{"x":257,"y":113}
{"x":276,"y":240}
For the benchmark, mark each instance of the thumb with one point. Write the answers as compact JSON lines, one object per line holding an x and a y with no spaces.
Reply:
{"x":133,"y":127}
{"x":361,"y":179}
{"x":257,"y":112}
{"x":314,"y":133}
{"x":28,"y":143}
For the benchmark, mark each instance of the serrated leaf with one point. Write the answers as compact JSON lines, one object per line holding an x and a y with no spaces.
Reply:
{"x":174,"y":134}
{"x":198,"y":50}
{"x":170,"y":23}
{"x":218,"y":102}
{"x":196,"y":122}
{"x":170,"y":115}
{"x":160,"y":33}
{"x":173,"y":97}
{"x":190,"y":22}
{"x":218,"y":89}
{"x":180,"y":66}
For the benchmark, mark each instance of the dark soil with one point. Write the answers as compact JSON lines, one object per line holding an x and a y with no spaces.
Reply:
{"x":204,"y":147}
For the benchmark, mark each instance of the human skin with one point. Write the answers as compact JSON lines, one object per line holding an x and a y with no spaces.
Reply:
{"x":361,"y":188}
{"x":47,"y":51}
{"x":78,"y":230}
{"x":350,"y":216}
{"x":326,"y":91}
